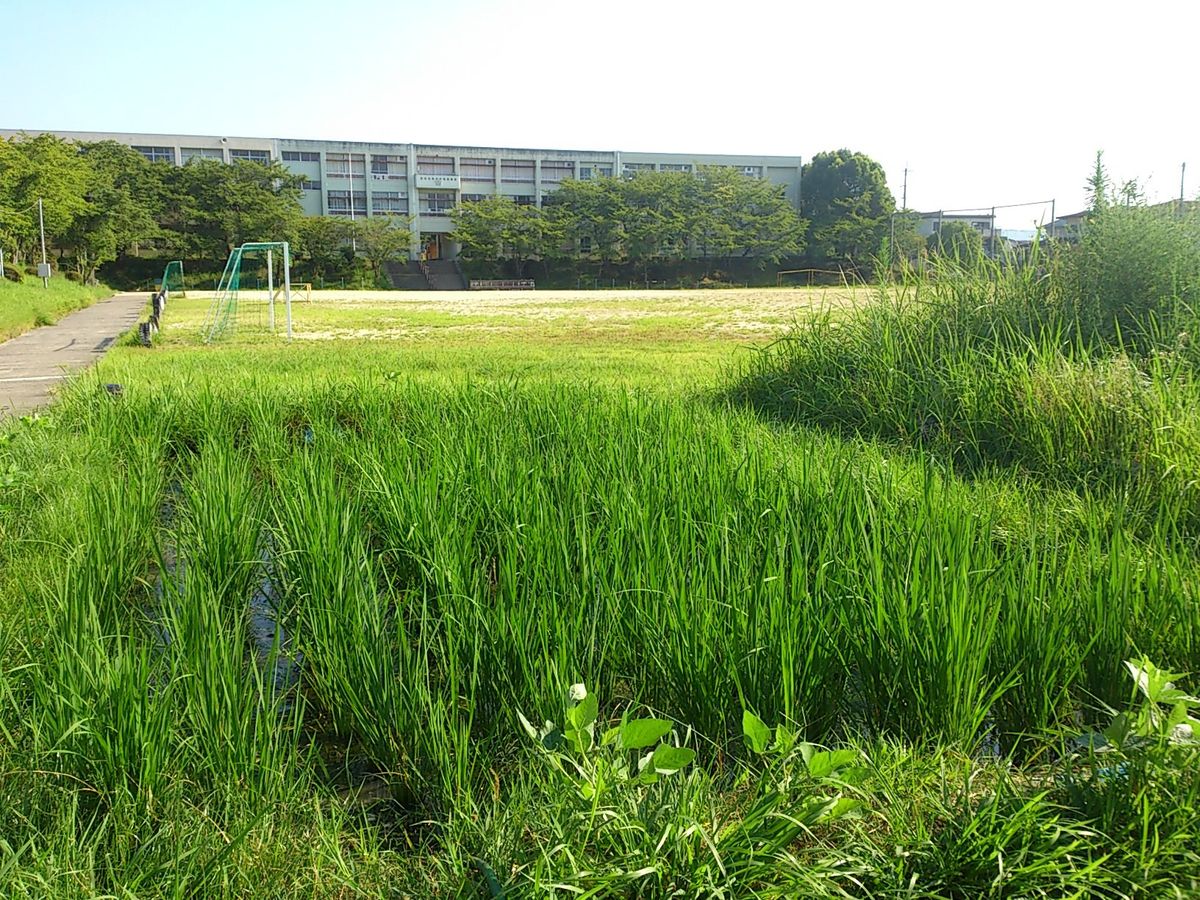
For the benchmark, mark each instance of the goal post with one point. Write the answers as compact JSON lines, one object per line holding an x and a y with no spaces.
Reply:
{"x":229,"y":308}
{"x":172,"y":279}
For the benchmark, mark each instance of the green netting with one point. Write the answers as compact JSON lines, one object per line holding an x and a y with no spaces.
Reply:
{"x":172,"y":279}
{"x":234,"y":306}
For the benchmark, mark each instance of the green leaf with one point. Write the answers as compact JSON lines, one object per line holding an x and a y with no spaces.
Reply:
{"x":584,"y":713}
{"x":827,"y":763}
{"x":550,"y":735}
{"x":785,"y":740}
{"x":845,"y":807}
{"x":668,"y":760}
{"x":756,"y":732}
{"x":579,"y":739}
{"x":610,"y":736}
{"x":643,"y":732}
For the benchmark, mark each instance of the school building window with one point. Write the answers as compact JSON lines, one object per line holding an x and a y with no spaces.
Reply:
{"x":300,"y":156}
{"x":435,"y":165}
{"x":311,"y":184}
{"x":478,"y":169}
{"x":189,"y":153}
{"x":339,"y":202}
{"x":556,"y":170}
{"x":256,"y":156}
{"x":389,"y":166}
{"x":389,"y":202}
{"x":516,"y":171}
{"x":343,"y":165}
{"x":158,"y":154}
{"x":436,"y":203}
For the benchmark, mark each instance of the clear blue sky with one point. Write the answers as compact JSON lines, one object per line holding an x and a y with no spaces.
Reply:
{"x":985,"y":103}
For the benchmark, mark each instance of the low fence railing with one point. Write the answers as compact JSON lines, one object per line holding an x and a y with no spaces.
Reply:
{"x":501,"y":284}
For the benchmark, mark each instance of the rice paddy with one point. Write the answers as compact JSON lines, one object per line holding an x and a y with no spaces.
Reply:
{"x":286,"y":620}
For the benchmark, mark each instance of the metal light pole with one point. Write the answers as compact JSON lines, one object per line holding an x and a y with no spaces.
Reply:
{"x":45,"y":266}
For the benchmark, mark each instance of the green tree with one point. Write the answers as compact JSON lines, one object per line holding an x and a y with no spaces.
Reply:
{"x":323,"y":246}
{"x":752,"y":217}
{"x":496,"y":228}
{"x":119,"y":211}
{"x":906,"y":241}
{"x":956,"y":240}
{"x":848,"y":206}
{"x":592,"y":215}
{"x":46,"y":167}
{"x":479,"y":227}
{"x":210,"y":207}
{"x":658,"y":210}
{"x":382,"y":239}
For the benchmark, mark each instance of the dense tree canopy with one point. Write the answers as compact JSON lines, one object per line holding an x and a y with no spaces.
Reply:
{"x":848,"y":206}
{"x":714,"y":214}
{"x":103,"y":199}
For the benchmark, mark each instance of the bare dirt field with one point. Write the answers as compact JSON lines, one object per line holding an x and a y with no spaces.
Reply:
{"x":737,"y":314}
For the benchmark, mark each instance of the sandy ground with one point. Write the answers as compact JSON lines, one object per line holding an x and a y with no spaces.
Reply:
{"x":384,"y":315}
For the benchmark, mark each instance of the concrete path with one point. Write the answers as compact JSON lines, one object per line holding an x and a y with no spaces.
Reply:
{"x":33,"y":364}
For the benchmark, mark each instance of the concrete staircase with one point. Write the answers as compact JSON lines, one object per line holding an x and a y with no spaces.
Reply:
{"x":437,"y":275}
{"x":445,"y":275}
{"x":406,"y":276}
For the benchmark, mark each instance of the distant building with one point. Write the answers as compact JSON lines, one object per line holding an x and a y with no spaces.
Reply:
{"x":930,"y":222}
{"x":1068,"y":227}
{"x":426,"y":181}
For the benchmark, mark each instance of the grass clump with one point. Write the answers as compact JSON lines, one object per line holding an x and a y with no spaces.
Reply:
{"x":1077,"y":369}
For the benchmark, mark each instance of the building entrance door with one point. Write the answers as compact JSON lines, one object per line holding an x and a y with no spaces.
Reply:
{"x":432,"y":246}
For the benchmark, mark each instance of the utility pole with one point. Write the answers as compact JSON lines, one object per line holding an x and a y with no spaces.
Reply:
{"x":45,"y":266}
{"x":904,"y":201}
{"x":1182,"y":171}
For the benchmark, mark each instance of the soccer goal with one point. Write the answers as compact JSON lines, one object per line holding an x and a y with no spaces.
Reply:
{"x":235,"y":304}
{"x":172,"y":279}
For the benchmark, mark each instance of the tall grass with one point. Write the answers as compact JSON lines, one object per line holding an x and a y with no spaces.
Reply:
{"x":1077,"y":369}
{"x":258,"y":604}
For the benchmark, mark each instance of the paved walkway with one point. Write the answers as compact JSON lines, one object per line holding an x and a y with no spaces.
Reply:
{"x":32,"y":364}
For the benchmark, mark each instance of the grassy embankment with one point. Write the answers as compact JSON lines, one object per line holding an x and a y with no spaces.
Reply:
{"x":270,"y":616}
{"x":29,"y":305}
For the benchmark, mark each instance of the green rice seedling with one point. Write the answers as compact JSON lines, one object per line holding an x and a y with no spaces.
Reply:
{"x":377,"y":663}
{"x":101,"y":713}
{"x":243,"y":729}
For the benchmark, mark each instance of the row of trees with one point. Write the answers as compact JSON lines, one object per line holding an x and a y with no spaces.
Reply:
{"x":104,"y":200}
{"x":717,"y":214}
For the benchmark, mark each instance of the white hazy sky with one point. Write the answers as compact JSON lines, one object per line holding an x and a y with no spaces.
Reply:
{"x":985,"y":103}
